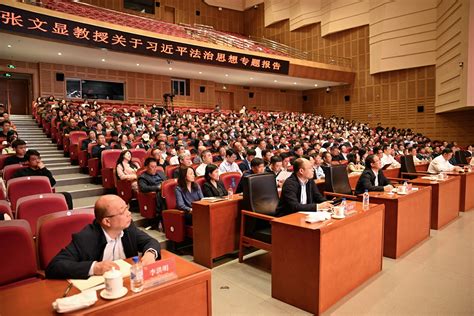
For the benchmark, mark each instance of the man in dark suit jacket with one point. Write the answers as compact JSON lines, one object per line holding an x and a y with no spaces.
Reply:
{"x":110,"y":237}
{"x":372,"y":178}
{"x":245,"y":164}
{"x":256,"y":166}
{"x":291,"y":199}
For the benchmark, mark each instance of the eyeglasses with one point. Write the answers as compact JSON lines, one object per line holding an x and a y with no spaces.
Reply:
{"x":126,"y":208}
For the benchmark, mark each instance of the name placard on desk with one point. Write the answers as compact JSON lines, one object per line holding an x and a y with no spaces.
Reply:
{"x":159,"y":272}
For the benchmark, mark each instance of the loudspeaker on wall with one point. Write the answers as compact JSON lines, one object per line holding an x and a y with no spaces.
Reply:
{"x":251,"y":94}
{"x":59,"y":76}
{"x":202,"y":89}
{"x":347,"y":98}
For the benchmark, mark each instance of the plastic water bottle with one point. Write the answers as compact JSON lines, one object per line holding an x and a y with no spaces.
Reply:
{"x":344,"y":205}
{"x":136,"y":275}
{"x":365,"y":200}
{"x":230,"y":191}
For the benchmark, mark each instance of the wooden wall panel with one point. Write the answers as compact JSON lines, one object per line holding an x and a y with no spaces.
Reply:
{"x":390,"y":97}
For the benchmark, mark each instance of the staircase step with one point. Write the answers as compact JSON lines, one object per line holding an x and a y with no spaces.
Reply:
{"x":72,"y":178}
{"x":51,"y":153}
{"x":85,"y":202}
{"x":53,"y":160}
{"x":64,"y":170}
{"x":57,"y":164}
{"x":82,"y":190}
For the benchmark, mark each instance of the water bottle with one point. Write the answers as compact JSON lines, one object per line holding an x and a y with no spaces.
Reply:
{"x":136,"y":275}
{"x":365,"y":200}
{"x":344,"y":205}
{"x":230,"y":191}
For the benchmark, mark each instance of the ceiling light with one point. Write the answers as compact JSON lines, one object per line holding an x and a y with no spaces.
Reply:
{"x":138,"y":64}
{"x":171,"y":68}
{"x":9,"y":46}
{"x":103,"y":59}
{"x":251,"y":78}
{"x":275,"y":80}
{"x":294,"y":82}
{"x":60,"y":54}
{"x":315,"y":84}
{"x":226,"y":75}
{"x":200,"y":72}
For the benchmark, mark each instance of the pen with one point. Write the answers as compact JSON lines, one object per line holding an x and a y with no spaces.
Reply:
{"x":67,"y":290}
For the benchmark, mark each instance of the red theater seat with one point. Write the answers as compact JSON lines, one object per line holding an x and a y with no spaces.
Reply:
{"x":24,"y":186}
{"x":230,"y":179}
{"x":109,"y":160}
{"x":55,"y":231}
{"x":5,"y":208}
{"x":139,"y":153}
{"x":74,"y":140}
{"x":173,"y":219}
{"x":10,"y":170}
{"x":32,"y":207}
{"x":18,"y":264}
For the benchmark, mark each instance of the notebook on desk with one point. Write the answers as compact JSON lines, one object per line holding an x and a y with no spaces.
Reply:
{"x":96,"y":280}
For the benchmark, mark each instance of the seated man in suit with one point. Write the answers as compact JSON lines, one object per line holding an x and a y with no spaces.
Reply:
{"x":372,"y":178}
{"x":110,"y":237}
{"x":151,"y":181}
{"x":299,"y":192}
{"x":256,"y":166}
{"x":245,"y":164}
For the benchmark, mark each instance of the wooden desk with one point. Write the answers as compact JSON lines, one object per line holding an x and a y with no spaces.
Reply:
{"x":392,"y":173}
{"x":422,"y":167}
{"x":216,"y":229}
{"x":407,"y":219}
{"x":315,"y":265}
{"x":446,"y":199}
{"x":467,"y":190}
{"x":193,"y":286}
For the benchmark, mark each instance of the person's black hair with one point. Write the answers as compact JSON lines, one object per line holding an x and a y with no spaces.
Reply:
{"x":446,"y":151}
{"x":229,"y":152}
{"x":351,"y":157}
{"x":251,"y":152}
{"x":149,"y":160}
{"x":275,"y":159}
{"x":209,"y":169}
{"x":18,"y":142}
{"x":369,"y":160}
{"x":31,"y":152}
{"x":256,"y":162}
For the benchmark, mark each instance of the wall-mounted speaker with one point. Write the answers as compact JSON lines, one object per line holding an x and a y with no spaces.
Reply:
{"x":59,"y":76}
{"x":251,"y":94}
{"x":305,"y":98}
{"x":202,"y":89}
{"x":157,"y":4}
{"x":347,"y":98}
{"x":421,"y":108}
{"x":198,"y":13}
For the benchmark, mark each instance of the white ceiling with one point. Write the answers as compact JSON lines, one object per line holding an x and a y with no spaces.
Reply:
{"x":35,"y":50}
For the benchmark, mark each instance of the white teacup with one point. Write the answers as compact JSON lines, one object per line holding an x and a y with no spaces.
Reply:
{"x":402,"y":189}
{"x":113,"y":282}
{"x":338,"y":211}
{"x":441,"y":176}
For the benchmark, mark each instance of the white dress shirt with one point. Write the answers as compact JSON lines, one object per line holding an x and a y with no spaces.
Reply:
{"x":389,"y":160}
{"x":303,"y":196}
{"x":113,"y":250}
{"x":201,"y":169}
{"x":439,"y":164}
{"x":258,"y":152}
{"x":376,"y":182}
{"x":225,"y":166}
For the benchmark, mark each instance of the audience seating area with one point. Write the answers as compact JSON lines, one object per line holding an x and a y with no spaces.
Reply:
{"x":156,"y":26}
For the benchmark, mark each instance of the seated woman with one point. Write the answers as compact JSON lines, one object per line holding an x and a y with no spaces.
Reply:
{"x":8,"y":149}
{"x":187,"y":191}
{"x":123,"y":143}
{"x":213,"y":186}
{"x":126,"y":169}
{"x":354,"y":163}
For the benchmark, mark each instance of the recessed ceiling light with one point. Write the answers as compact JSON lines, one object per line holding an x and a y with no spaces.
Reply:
{"x":9,"y":46}
{"x":275,"y":80}
{"x":103,"y":59}
{"x":138,"y":64}
{"x":60,"y":54}
{"x":251,"y":78}
{"x":200,"y":72}
{"x":315,"y":84}
{"x":226,"y":75}
{"x":171,"y":68}
{"x":294,"y":82}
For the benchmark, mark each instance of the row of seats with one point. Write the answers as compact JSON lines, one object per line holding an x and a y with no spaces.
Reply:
{"x":157,"y":26}
{"x":28,"y":256}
